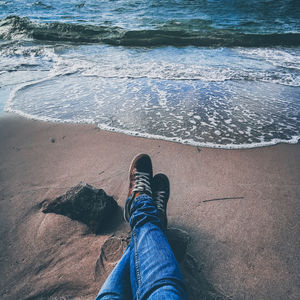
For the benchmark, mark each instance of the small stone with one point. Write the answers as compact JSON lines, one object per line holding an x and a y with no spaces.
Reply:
{"x":84,"y":203}
{"x":52,"y":140}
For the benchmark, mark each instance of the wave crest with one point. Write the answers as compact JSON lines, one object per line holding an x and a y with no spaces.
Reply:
{"x":14,"y":27}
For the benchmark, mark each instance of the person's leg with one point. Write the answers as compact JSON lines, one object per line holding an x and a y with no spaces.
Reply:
{"x":117,"y":285}
{"x":154,"y":271}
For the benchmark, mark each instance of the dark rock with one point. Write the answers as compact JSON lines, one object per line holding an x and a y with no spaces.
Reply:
{"x":80,"y":5}
{"x":84,"y":203}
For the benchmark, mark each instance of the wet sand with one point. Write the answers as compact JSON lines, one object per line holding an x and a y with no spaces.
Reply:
{"x":240,"y":208}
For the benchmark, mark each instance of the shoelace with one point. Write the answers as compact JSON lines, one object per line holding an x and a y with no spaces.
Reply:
{"x":142,"y":182}
{"x":160,"y":200}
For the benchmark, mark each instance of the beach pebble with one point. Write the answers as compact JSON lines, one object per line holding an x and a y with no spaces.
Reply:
{"x":84,"y":203}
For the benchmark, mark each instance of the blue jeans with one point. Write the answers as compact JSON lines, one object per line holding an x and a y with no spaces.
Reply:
{"x":148,"y":268}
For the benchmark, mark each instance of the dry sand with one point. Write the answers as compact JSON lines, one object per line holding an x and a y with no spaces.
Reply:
{"x":240,"y":207}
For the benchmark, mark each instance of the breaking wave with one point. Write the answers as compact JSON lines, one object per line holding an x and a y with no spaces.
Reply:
{"x":171,"y":33}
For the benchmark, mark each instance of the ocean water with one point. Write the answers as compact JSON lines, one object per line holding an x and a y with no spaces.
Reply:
{"x":209,"y":73}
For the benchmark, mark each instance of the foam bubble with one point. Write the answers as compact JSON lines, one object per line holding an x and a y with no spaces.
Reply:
{"x":218,"y":125}
{"x":158,"y":92}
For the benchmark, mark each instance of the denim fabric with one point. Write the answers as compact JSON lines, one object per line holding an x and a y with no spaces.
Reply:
{"x":117,"y":285}
{"x":148,"y":265}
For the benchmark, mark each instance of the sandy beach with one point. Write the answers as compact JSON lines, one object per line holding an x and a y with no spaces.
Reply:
{"x":239,"y":207}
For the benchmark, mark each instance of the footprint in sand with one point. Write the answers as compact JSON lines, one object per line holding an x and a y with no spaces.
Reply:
{"x":110,"y":253}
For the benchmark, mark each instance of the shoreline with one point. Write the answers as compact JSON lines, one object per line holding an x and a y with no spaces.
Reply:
{"x":293,"y":141}
{"x":240,"y":208}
